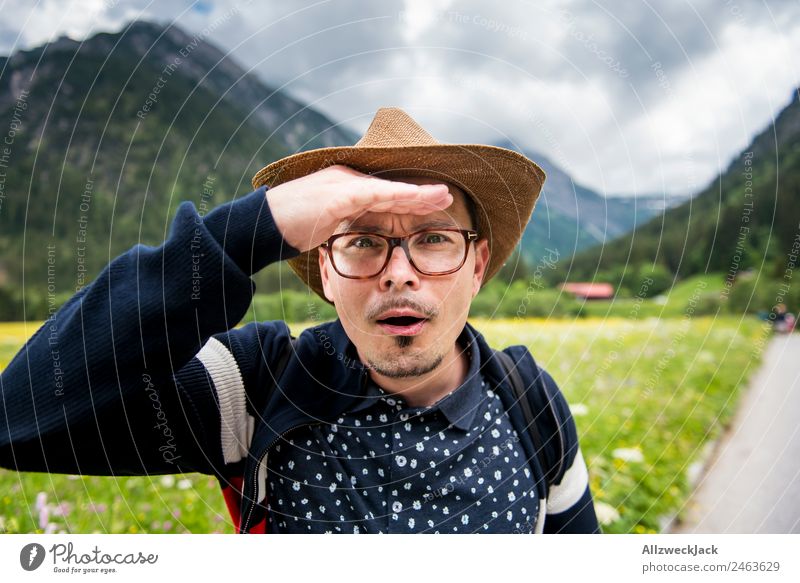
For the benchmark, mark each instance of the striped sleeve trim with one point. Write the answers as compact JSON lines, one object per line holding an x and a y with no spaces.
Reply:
{"x":572,"y":486}
{"x":261,"y":481}
{"x":236,"y":425}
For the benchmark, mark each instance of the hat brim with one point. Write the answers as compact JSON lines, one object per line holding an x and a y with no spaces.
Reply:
{"x":504,"y":184}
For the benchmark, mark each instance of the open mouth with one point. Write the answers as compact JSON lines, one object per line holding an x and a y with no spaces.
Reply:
{"x":403,"y":325}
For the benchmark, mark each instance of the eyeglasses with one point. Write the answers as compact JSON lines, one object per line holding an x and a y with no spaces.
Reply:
{"x":361,"y":255}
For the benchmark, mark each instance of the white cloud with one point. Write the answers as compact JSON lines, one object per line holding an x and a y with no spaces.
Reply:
{"x":548,"y":76}
{"x":711,"y":109}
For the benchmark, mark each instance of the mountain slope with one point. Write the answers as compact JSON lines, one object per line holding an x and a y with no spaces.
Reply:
{"x":111,"y":134}
{"x":746,"y":218}
{"x":570,"y":217}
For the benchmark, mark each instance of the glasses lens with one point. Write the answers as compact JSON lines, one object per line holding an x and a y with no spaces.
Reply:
{"x":361,"y":255}
{"x":437,"y":251}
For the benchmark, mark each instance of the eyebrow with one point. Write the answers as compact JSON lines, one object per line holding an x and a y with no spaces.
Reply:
{"x":378,"y":229}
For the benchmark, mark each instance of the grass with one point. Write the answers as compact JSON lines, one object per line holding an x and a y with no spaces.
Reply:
{"x":647,"y":396}
{"x":672,"y":303}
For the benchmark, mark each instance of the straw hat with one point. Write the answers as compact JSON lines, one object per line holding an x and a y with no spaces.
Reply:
{"x":504,"y":184}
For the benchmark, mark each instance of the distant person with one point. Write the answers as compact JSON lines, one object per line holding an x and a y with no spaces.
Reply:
{"x":389,"y":419}
{"x":782,"y":320}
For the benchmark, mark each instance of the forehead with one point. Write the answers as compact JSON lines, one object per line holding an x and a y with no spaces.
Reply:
{"x":457,"y":214}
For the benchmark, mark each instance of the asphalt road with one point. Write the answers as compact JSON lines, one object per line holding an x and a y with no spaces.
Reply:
{"x":752,"y":481}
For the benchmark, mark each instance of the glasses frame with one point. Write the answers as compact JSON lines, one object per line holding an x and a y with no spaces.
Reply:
{"x":402,"y":242}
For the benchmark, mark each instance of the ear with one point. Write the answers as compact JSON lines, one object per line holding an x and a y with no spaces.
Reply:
{"x":482,"y":255}
{"x":324,"y":265}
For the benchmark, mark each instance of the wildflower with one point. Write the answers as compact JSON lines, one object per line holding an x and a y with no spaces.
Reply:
{"x":43,"y":510}
{"x":578,"y":409}
{"x":632,"y":454}
{"x":606,"y":514}
{"x":96,"y":508}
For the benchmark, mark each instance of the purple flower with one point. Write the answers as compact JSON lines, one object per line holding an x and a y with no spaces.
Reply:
{"x":44,"y":518}
{"x":42,"y":509}
{"x":41,"y":500}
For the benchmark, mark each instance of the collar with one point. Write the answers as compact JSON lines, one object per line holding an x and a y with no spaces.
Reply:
{"x":459,"y":406}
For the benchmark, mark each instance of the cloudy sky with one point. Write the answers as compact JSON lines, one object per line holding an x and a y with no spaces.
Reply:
{"x":628,"y":97}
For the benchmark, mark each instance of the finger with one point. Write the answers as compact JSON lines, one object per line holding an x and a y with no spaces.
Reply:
{"x":384,"y":194}
{"x":409,"y":207}
{"x":428,"y":203}
{"x":379,"y":190}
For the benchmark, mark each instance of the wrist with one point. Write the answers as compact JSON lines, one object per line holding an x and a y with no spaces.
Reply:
{"x":246,"y":230}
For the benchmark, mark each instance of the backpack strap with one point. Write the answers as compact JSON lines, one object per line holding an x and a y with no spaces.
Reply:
{"x":280,"y":365}
{"x":538,"y":391}
{"x":259,"y":401}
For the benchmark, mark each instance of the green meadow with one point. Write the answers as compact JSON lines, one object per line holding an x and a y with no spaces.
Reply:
{"x":649,"y":395}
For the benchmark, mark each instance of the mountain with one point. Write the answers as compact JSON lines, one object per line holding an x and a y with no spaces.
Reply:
{"x":744,"y":220}
{"x":110,"y":134}
{"x":570,"y":217}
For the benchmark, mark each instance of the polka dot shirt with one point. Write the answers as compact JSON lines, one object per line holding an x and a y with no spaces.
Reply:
{"x":386,"y":467}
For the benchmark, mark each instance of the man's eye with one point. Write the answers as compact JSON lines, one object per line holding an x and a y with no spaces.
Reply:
{"x":434,"y":238}
{"x":363,"y":242}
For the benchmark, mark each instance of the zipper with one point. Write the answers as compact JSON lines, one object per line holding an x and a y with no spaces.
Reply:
{"x":260,"y":459}
{"x":265,"y":452}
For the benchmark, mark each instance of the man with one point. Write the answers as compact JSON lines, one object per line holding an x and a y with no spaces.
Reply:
{"x":389,"y":419}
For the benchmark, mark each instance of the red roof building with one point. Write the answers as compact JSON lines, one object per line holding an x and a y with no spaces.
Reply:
{"x":589,"y":291}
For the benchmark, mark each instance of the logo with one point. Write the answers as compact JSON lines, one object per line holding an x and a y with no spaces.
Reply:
{"x":31,"y":556}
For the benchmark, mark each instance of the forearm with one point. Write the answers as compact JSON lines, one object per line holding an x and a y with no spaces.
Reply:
{"x":120,"y":340}
{"x":580,"y":518}
{"x":570,"y":508}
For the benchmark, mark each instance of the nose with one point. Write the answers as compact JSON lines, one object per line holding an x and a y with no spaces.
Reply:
{"x":399,"y":271}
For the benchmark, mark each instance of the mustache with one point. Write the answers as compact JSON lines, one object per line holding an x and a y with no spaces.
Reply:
{"x":428,"y":310}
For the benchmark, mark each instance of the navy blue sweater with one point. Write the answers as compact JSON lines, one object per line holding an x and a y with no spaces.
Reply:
{"x":142,"y":372}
